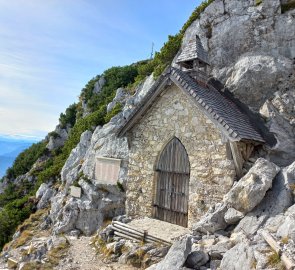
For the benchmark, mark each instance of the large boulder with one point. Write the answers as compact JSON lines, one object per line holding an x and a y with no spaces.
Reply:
{"x":176,"y":256}
{"x":249,"y":70}
{"x":45,"y":199}
{"x":233,"y":216}
{"x":196,"y":259}
{"x":87,"y":213}
{"x":57,"y":138}
{"x":105,"y":143}
{"x":280,"y":122}
{"x":240,"y":257}
{"x":212,"y":221}
{"x":251,"y":189}
{"x":273,"y":205}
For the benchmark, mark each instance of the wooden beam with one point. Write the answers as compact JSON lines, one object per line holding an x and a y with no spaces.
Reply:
{"x":134,"y":233}
{"x":237,"y":157}
{"x":289,"y":263}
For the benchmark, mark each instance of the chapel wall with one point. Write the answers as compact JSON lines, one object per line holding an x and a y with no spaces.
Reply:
{"x":212,"y":172}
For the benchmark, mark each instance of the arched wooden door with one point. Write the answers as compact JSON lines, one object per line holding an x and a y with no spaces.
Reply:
{"x":172,"y":184}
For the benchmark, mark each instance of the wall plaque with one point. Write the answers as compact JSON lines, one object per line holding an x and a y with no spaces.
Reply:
{"x":107,"y":170}
{"x":75,"y":191}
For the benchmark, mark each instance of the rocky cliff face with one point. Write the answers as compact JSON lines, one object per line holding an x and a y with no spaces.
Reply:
{"x":252,"y":50}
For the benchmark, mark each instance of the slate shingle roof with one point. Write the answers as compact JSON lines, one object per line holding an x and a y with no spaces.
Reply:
{"x":193,"y":50}
{"x":221,"y":110}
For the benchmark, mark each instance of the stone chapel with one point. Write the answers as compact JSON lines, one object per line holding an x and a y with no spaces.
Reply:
{"x":188,"y":140}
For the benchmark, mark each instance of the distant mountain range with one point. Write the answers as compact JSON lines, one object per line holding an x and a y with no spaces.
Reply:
{"x":10,"y":147}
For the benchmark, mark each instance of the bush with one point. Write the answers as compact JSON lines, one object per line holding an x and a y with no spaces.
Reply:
{"x":117,"y":108}
{"x":163,"y":58}
{"x":11,"y":215}
{"x":69,"y":117}
{"x":26,"y":159}
{"x":115,"y":77}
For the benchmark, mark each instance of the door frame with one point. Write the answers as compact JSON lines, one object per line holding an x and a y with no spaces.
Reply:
{"x":156,"y":182}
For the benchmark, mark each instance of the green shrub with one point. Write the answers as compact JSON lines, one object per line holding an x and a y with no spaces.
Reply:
{"x":258,"y":2}
{"x":69,"y":117}
{"x":26,"y":159}
{"x":11,"y":215}
{"x":117,"y":108}
{"x":163,"y":58}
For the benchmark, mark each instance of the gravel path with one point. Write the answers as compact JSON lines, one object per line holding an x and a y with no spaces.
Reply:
{"x":81,"y":256}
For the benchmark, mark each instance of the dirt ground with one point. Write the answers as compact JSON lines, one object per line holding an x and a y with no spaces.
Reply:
{"x":82,"y":256}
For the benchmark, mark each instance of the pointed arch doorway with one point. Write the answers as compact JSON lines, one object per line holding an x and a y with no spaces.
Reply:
{"x":172,"y":173}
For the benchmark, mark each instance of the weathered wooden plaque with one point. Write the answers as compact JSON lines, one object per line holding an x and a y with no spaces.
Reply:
{"x":107,"y":170}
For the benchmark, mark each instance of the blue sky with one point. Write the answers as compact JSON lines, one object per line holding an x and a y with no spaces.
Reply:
{"x":50,"y":49}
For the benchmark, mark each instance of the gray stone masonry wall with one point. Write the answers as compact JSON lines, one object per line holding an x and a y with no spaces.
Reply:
{"x":212,"y":174}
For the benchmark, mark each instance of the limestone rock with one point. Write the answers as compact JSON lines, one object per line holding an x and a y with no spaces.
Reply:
{"x":121,"y":97}
{"x":176,"y":256}
{"x":240,"y":257}
{"x":214,"y":264}
{"x":218,"y":250}
{"x":58,"y":138}
{"x":105,"y":143}
{"x":140,"y":93}
{"x":249,"y":70}
{"x":250,"y":189}
{"x":287,"y":229}
{"x":98,"y":85}
{"x":45,"y":199}
{"x":41,"y":190}
{"x":232,"y":216}
{"x":212,"y":221}
{"x":196,"y":259}
{"x":88,"y":212}
{"x":275,"y":202}
{"x":280,"y":124}
{"x":70,"y":170}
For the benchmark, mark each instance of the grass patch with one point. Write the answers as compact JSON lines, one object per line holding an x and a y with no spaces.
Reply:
{"x":274,"y":261}
{"x":28,"y":229}
{"x":57,"y":253}
{"x":24,"y":238}
{"x":285,"y":240}
{"x":102,"y":249}
{"x":53,"y":258}
{"x":258,"y":2}
{"x":33,"y":221}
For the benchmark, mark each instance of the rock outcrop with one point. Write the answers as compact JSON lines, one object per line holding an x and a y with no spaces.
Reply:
{"x":99,"y":201}
{"x":57,"y":138}
{"x":251,"y":47}
{"x":250,"y":190}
